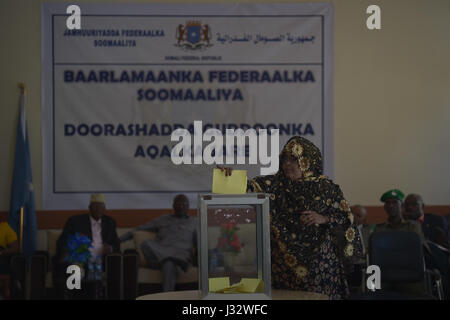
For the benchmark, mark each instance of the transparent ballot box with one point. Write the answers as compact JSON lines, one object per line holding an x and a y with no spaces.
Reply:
{"x":234,"y":246}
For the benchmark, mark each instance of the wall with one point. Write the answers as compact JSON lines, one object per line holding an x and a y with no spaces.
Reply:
{"x":392,"y":97}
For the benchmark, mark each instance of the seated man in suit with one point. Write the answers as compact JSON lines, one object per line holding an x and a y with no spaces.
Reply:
{"x":174,"y":246}
{"x":435,"y":230}
{"x":414,"y":210}
{"x":97,"y":226}
{"x":8,"y":246}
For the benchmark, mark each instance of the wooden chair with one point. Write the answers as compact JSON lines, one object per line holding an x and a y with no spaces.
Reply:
{"x":5,"y":285}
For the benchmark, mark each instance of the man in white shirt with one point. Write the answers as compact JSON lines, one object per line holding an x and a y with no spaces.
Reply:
{"x":97,"y":226}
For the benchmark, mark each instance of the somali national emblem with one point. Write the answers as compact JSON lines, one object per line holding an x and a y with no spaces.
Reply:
{"x":193,"y":36}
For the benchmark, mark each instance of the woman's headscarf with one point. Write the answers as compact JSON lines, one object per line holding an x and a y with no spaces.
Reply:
{"x":307,"y":154}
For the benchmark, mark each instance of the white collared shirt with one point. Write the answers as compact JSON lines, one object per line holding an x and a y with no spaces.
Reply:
{"x":97,"y":242}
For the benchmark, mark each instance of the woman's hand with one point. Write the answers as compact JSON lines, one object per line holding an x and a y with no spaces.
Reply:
{"x":228,"y":170}
{"x":311,"y":217}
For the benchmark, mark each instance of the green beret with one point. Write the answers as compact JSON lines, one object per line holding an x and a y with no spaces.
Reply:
{"x":392,"y":194}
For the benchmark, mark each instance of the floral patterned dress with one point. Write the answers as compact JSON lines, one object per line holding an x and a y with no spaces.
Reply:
{"x":308,"y":258}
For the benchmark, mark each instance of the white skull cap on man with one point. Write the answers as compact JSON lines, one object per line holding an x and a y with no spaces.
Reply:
{"x":97,"y":197}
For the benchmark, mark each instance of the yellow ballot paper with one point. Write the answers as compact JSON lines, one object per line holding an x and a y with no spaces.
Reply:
{"x":252,"y":285}
{"x":246,"y":285}
{"x":234,"y":184}
{"x":218,"y":284}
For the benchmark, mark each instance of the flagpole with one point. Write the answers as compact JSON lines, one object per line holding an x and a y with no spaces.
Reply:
{"x":23,"y":88}
{"x":21,"y":231}
{"x":23,"y":213}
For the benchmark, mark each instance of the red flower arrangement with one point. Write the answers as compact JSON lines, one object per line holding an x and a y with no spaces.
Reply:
{"x":229,"y":240}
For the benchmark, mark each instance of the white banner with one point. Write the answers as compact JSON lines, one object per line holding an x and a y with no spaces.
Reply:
{"x":116,"y":89}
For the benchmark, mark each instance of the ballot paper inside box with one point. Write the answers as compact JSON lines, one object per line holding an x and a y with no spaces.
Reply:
{"x":234,"y":246}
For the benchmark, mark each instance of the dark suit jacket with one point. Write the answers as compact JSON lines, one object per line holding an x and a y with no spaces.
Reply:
{"x":82,"y":224}
{"x":431,"y":222}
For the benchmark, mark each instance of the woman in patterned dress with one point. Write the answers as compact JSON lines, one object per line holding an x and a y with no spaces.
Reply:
{"x":309,"y":219}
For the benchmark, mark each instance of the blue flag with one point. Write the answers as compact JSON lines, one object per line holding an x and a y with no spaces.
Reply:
{"x":22,"y":193}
